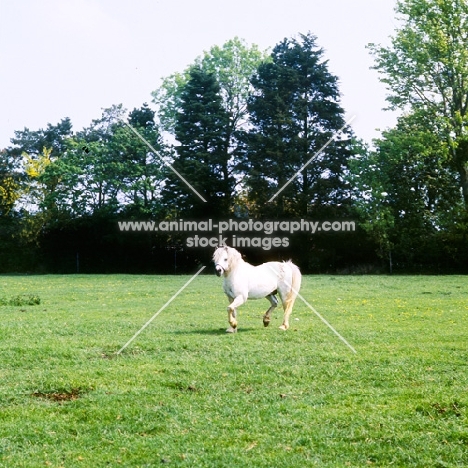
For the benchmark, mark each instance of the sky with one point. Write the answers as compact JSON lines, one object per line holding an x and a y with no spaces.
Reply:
{"x":72,"y":58}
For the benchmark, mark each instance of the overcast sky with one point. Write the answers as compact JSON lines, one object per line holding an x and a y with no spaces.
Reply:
{"x":71,"y":58}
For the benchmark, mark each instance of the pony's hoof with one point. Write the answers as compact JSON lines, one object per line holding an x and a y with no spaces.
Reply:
{"x":231,"y":330}
{"x":266,"y":323}
{"x":283,"y":327}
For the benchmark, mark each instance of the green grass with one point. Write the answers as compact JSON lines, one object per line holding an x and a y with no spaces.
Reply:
{"x":185,"y":393}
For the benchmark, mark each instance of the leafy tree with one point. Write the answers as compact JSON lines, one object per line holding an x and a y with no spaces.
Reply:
{"x":426,"y":70}
{"x":203,"y":154}
{"x":54,"y":137}
{"x":29,"y":147}
{"x":27,"y":183}
{"x":232,"y":64}
{"x":10,"y":193}
{"x":142,"y":167}
{"x":295,"y":111}
{"x":10,"y":189}
{"x":37,"y":192}
{"x":405,"y":195}
{"x":108,"y":168}
{"x":90,"y":171}
{"x":35,"y":168}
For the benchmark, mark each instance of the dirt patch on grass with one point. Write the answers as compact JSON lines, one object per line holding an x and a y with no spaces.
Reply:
{"x":455,"y":409}
{"x":60,"y":396}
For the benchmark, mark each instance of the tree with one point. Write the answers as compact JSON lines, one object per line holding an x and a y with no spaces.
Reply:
{"x":54,"y":137}
{"x":30,"y":147}
{"x":91,"y":171}
{"x":28,"y":159}
{"x":106,"y":167}
{"x":404,"y":194}
{"x":203,"y":153}
{"x":426,"y":71}
{"x":10,"y":193}
{"x":10,"y":189}
{"x":141,"y":167}
{"x":13,"y":255}
{"x":294,"y":111}
{"x":232,"y":65}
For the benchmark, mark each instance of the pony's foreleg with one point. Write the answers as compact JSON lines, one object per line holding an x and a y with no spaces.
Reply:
{"x":232,"y":313}
{"x":267,"y":316}
{"x":231,"y":310}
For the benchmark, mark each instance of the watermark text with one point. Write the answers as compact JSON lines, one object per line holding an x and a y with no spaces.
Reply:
{"x":244,"y":233}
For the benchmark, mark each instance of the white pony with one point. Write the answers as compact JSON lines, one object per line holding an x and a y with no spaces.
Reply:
{"x":243,"y":281}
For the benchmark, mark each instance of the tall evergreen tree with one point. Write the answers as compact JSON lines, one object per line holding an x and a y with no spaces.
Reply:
{"x":203,"y":154}
{"x":294,"y":111}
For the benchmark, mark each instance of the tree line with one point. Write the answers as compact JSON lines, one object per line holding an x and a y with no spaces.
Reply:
{"x":257,"y":135}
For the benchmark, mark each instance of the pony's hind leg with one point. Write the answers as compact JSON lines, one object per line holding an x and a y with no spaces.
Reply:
{"x":288,"y":303}
{"x":267,"y":316}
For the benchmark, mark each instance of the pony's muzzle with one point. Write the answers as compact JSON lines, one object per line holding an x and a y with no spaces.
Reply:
{"x":219,"y":270}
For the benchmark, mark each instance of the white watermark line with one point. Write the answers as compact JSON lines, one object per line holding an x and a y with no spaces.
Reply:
{"x":317,"y":314}
{"x":161,"y":309}
{"x":326,"y":323}
{"x":177,"y":173}
{"x":311,"y":159}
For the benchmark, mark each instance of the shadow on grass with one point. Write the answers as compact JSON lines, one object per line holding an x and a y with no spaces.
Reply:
{"x":111,"y":354}
{"x":209,"y":331}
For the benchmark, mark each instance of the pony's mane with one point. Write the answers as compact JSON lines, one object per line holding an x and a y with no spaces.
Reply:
{"x":234,"y":256}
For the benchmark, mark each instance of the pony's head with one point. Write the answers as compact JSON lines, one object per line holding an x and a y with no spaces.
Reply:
{"x":224,"y":259}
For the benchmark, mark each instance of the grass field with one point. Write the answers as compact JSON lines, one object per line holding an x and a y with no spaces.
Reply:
{"x":185,"y":393}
